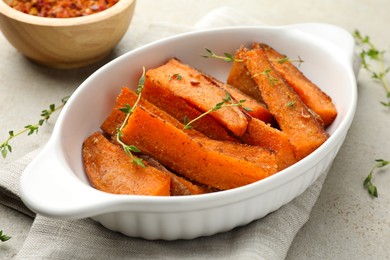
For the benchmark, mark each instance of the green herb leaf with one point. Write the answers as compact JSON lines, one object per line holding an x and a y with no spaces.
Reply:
{"x":4,"y":151}
{"x":271,"y":79}
{"x":372,"y":190}
{"x":141,"y":84}
{"x":227,"y":97}
{"x":64,"y":100}
{"x":381,"y":163}
{"x":126,"y":109}
{"x":175,"y":76}
{"x":367,"y":183}
{"x":218,"y":106}
{"x":186,"y":123}
{"x":4,"y":237}
{"x":248,"y":109}
{"x":134,"y":149}
{"x":290,"y":104}
{"x":367,"y":180}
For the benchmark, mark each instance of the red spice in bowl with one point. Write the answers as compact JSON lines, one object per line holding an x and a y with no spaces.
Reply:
{"x":61,"y":8}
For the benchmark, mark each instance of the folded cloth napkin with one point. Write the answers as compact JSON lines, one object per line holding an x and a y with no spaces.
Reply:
{"x":267,"y":238}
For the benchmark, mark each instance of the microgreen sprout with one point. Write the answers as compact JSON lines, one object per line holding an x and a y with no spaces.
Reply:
{"x":226,"y":102}
{"x":5,"y":146}
{"x":372,"y":60}
{"x":128,"y":110}
{"x":372,"y":190}
{"x":227,"y":56}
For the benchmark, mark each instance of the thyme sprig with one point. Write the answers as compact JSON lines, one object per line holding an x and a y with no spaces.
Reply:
{"x":228,"y":57}
{"x":5,"y":146}
{"x":371,"y":188}
{"x":272,"y":80}
{"x":226,"y":102}
{"x":128,"y":110}
{"x":4,"y":237}
{"x":285,"y":59}
{"x":372,"y":60}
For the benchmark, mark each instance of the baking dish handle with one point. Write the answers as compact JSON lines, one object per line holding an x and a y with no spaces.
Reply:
{"x":337,"y":36}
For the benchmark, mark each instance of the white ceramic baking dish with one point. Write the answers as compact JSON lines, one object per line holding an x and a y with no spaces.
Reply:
{"x":55,"y":185}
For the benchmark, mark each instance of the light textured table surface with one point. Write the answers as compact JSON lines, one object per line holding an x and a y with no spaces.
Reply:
{"x":346,"y":223}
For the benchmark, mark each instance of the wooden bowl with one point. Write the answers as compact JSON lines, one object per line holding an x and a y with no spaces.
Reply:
{"x":66,"y":42}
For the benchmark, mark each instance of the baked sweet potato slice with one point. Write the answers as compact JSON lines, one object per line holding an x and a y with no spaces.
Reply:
{"x":179,"y":185}
{"x":259,"y":131}
{"x":314,"y":98}
{"x":256,"y":109}
{"x":127,"y":96}
{"x":305,"y":134}
{"x":191,"y":86}
{"x":240,"y":78}
{"x":251,"y":153}
{"x":179,"y":108}
{"x":262,"y":134}
{"x":189,"y":157}
{"x":109,"y":169}
{"x":253,"y":106}
{"x":318,"y":102}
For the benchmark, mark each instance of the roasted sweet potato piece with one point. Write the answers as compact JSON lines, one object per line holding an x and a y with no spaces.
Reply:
{"x":318,"y":102}
{"x":262,"y":134}
{"x":176,"y":106}
{"x":127,"y":96}
{"x":191,"y":86}
{"x":183,"y":187}
{"x":189,"y":157}
{"x":109,"y":169}
{"x":179,"y":185}
{"x":241,"y":151}
{"x":310,"y":94}
{"x":256,"y":109}
{"x":305,"y":134}
{"x":240,"y":78}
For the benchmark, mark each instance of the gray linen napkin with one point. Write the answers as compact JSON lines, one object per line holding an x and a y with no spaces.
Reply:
{"x":267,"y":238}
